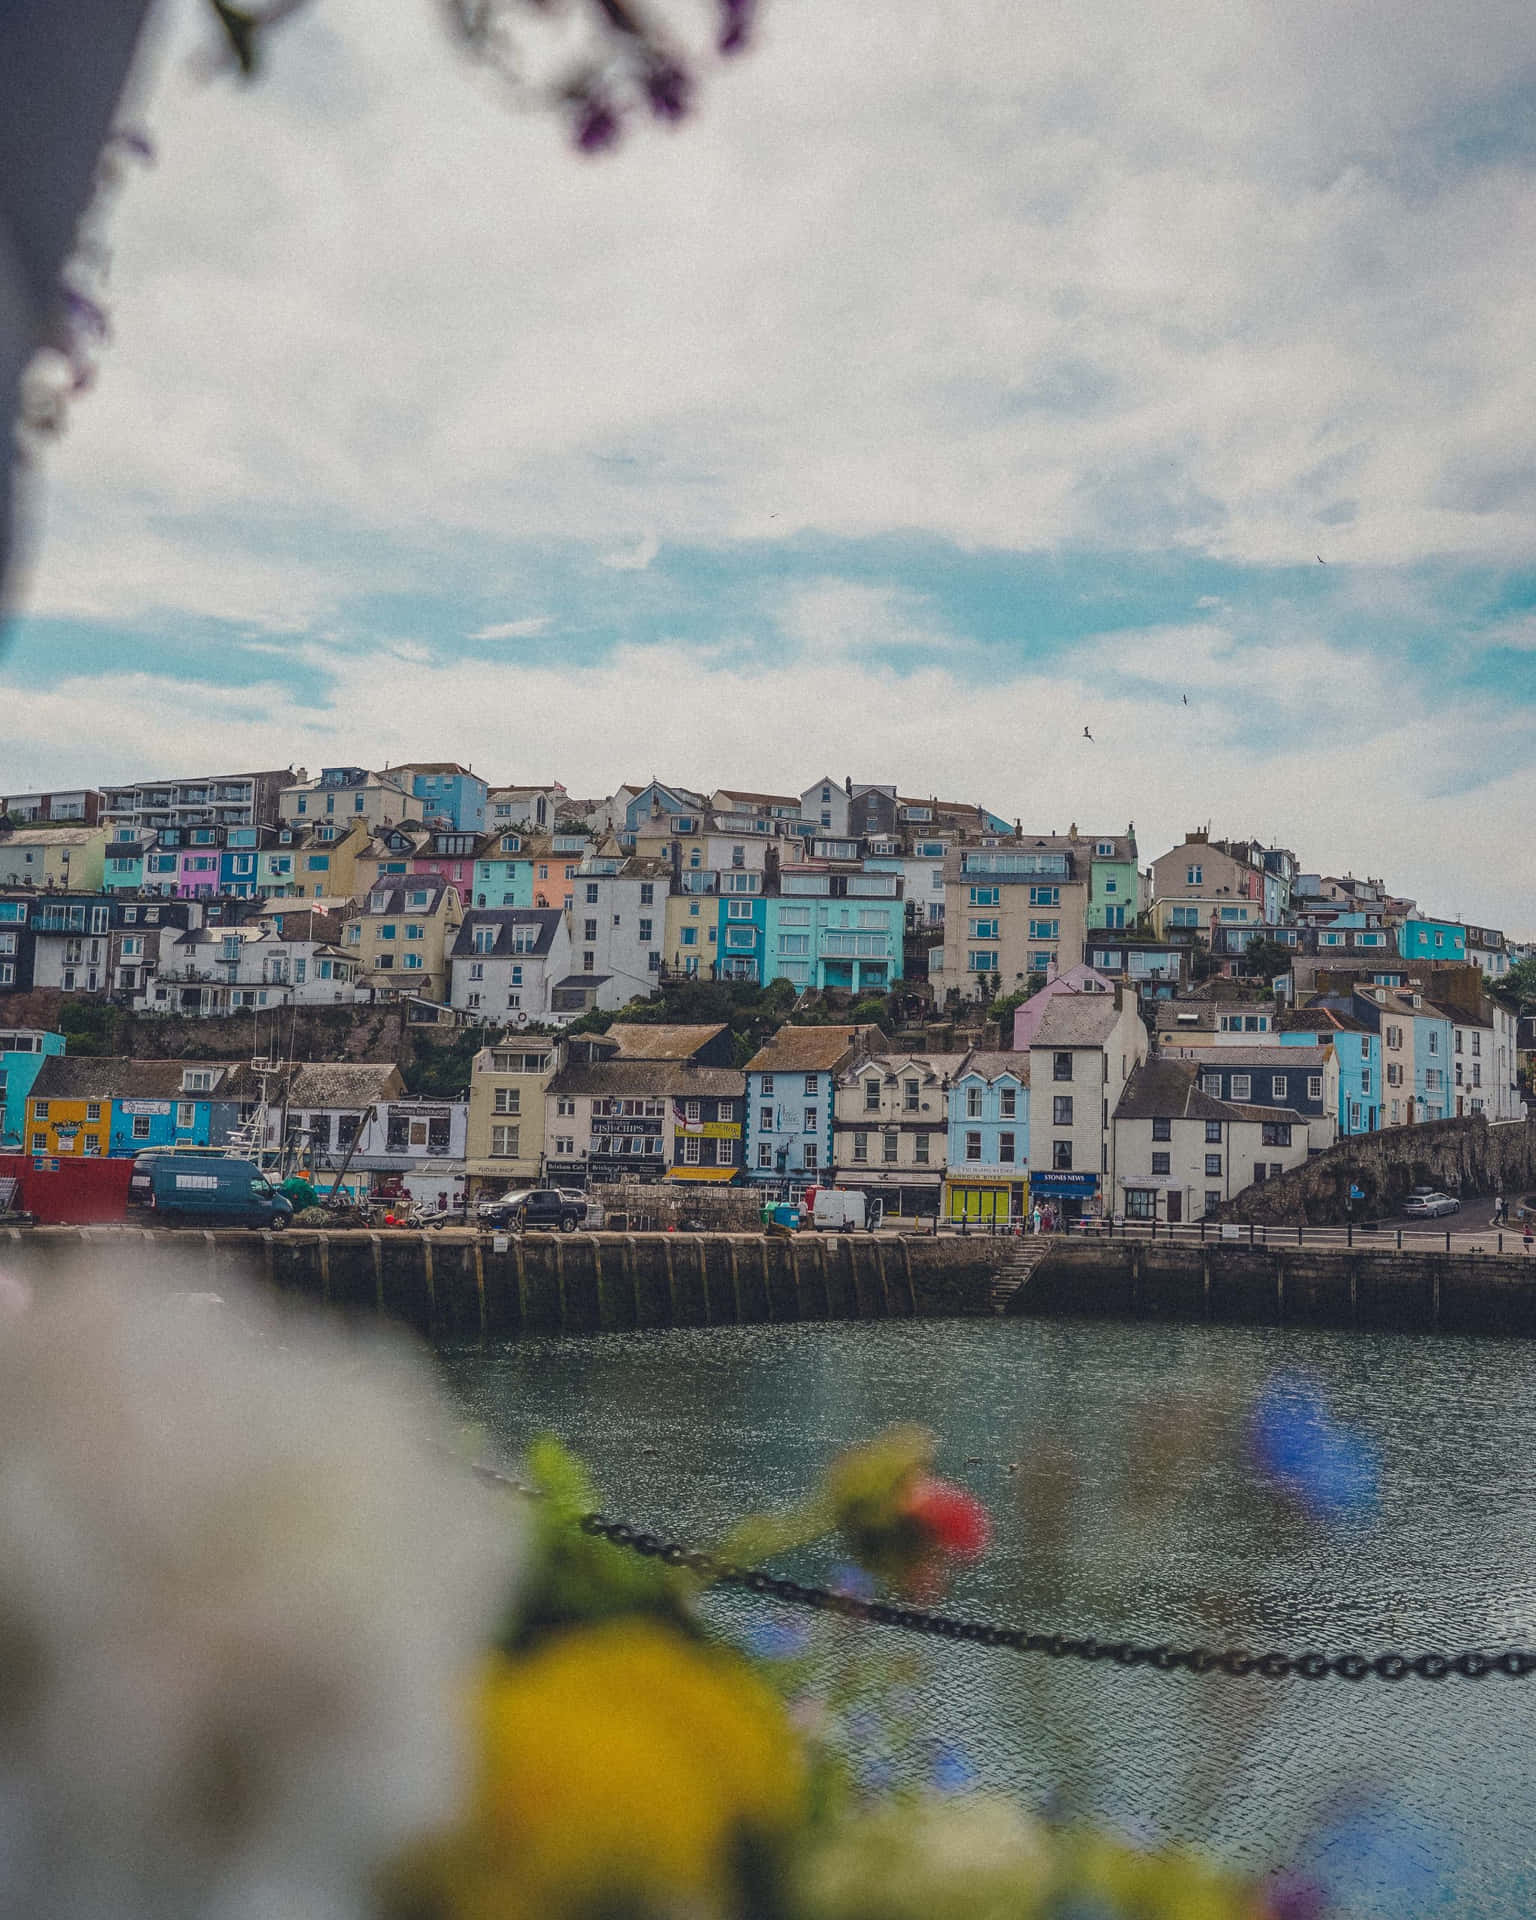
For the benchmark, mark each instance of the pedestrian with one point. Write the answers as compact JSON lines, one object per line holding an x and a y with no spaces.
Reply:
{"x":1529,"y":1235}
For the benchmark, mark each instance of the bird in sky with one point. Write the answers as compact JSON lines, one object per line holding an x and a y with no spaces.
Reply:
{"x":1088,"y":736}
{"x":1186,"y":699}
{"x":1321,"y":561}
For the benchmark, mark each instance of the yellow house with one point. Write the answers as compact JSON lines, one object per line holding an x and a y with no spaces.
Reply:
{"x":386,"y":858}
{"x":402,"y":935}
{"x":691,"y":933}
{"x":504,"y":1142}
{"x":325,"y":862}
{"x":54,"y":856}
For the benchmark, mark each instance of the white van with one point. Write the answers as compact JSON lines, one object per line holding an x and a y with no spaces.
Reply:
{"x":845,"y":1209}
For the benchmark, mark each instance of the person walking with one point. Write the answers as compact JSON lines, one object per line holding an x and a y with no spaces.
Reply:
{"x":1528,"y":1235}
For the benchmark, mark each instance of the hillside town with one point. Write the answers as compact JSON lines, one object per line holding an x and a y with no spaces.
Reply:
{"x":966,"y":1017}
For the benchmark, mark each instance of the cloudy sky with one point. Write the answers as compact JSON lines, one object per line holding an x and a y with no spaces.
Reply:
{"x":960,"y":375}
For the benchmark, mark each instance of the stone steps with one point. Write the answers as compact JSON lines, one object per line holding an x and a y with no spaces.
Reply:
{"x":1016,"y":1266}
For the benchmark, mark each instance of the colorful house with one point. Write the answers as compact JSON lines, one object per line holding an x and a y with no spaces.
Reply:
{"x":23,"y":1050}
{"x":1358,"y":1050}
{"x":1421,"y":939}
{"x":791,"y":1087}
{"x":832,"y":928}
{"x":504,"y":1140}
{"x":503,"y":870}
{"x":450,"y":795}
{"x":402,"y":937}
{"x":123,"y":864}
{"x":987,"y":1176}
{"x":90,"y":1107}
{"x":325,"y":861}
{"x":890,"y":1123}
{"x":53,"y":856}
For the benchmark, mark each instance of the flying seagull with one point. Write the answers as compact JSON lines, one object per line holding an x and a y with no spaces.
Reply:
{"x":1186,"y":699}
{"x":1321,"y":561}
{"x":1088,"y":736}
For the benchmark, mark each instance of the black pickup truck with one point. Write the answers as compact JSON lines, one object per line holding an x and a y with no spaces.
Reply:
{"x":536,"y":1207}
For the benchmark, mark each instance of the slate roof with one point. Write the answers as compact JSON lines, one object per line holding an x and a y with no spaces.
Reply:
{"x":345,"y":1083}
{"x":639,"y":1041}
{"x":112,"y":1076}
{"x":631,"y":1079}
{"x":1170,"y":1090}
{"x":992,"y":1065}
{"x":932,"y":1067}
{"x":1077,"y":1020}
{"x":51,"y":836}
{"x":1278,"y":1059}
{"x":504,"y":919}
{"x":413,"y":883}
{"x":805,"y":1049}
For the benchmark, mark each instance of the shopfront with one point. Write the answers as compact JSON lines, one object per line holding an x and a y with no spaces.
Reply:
{"x":1074,"y":1196}
{"x":974,"y":1200}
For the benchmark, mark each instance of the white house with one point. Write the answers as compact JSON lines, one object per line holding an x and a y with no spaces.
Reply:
{"x":1179,"y":1153}
{"x":504,"y":961}
{"x":1083,"y":1050}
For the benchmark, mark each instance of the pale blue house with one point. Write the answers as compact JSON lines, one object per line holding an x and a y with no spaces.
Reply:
{"x":791,"y":1084}
{"x":503,"y":872}
{"x":448,"y":793}
{"x":1358,"y":1051}
{"x":987,"y":1171}
{"x":831,"y":929}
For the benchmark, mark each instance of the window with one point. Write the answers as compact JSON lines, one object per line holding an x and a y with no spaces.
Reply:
{"x":1277,"y":1086}
{"x":1365,"y":1080}
{"x":589,"y":929}
{"x":1045,"y":897}
{"x":909,"y":1094}
{"x":1061,"y":1110}
{"x":647,"y":893}
{"x":588,"y":961}
{"x":39,"y":1109}
{"x":1186,"y":917}
{"x":1061,"y":1155}
{"x":984,"y":929}
{"x":1141,"y":1203}
{"x":982,"y":962}
{"x":1434,"y":1041}
{"x":725,"y":1153}
{"x":645,"y":933}
{"x":140,"y":1127}
{"x":812,"y":1083}
{"x":1477,"y":1043}
{"x":973,"y":1146}
{"x":1161,"y":1163}
{"x":1213,"y":1133}
{"x":40,"y":1142}
{"x":93,"y":1110}
{"x":1212,"y":1202}
{"x":186,"y":1113}
{"x":1242,"y":1086}
{"x":1162,"y":1130}
{"x":90,"y":1144}
{"x":920,"y":1149}
{"x":1006,"y":1149}
{"x":591,"y":894}
{"x":692,"y":1146}
{"x":871,"y":1096}
{"x":508,"y":1100}
{"x":890,"y":1147}
{"x":1213,"y":1166}
{"x":414,"y":931}
{"x":564,"y":1145}
{"x":986,"y":896}
{"x":565,"y":1109}
{"x":861,"y":1147}
{"x":973,"y":1103}
{"x":1061,"y":1066}
{"x":1044,"y":929}
{"x":809,"y":1156}
{"x":1008,"y":1102}
{"x":1394,"y":1074}
{"x":1277,"y":1133}
{"x":1194,"y":876}
{"x":764,"y":1156}
{"x":812,"y":1122}
{"x":1315,"y":1086}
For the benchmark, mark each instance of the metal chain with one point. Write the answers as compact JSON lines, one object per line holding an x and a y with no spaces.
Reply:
{"x":1236,"y":1661}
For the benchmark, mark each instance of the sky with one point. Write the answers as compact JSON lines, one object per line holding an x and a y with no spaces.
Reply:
{"x":956,"y":378}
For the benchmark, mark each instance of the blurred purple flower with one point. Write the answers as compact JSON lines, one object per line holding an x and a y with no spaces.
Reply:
{"x":736,"y":17}
{"x":87,"y":319}
{"x":951,"y":1772}
{"x":777,"y":1640}
{"x":597,"y":125}
{"x":1324,"y":1467}
{"x":668,"y":87}
{"x":852,"y":1581}
{"x":1294,"y":1896}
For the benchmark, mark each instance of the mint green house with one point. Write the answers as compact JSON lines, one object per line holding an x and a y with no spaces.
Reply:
{"x":1114,"y":893}
{"x":122,"y":869}
{"x":503,"y":874}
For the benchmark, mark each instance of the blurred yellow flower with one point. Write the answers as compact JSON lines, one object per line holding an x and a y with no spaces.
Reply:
{"x":619,"y":1761}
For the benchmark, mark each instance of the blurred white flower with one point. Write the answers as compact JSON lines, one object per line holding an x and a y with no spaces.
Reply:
{"x":240,"y":1584}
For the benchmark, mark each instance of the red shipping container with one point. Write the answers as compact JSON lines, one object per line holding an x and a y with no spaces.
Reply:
{"x":66,"y":1191}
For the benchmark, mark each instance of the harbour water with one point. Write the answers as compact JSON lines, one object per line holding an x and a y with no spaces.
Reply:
{"x":1115,"y":1461}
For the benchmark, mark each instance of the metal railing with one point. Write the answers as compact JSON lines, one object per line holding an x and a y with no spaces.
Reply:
{"x":1369,"y":1236}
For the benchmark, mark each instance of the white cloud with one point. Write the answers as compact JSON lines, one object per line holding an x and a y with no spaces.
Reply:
{"x":525,"y":629}
{"x":634,"y":559}
{"x":1080,"y":273}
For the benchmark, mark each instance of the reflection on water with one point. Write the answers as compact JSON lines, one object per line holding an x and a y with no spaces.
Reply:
{"x":1119,"y":1466}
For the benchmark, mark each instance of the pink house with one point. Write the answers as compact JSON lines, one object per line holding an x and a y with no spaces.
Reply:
{"x":197,"y":873}
{"x":1079,"y":979}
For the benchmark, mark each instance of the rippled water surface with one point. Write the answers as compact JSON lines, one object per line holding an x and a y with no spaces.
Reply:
{"x":1113,"y":1460}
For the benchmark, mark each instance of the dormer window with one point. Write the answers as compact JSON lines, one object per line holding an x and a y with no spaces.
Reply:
{"x":197,"y":1079}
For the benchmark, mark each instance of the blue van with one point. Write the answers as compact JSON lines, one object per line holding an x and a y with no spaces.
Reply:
{"x":206,"y":1190}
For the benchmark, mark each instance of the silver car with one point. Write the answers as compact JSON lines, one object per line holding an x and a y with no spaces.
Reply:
{"x":1430,"y":1206}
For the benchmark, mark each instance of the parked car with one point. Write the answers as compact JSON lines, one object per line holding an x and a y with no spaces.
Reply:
{"x":1430,"y":1206}
{"x":206,"y":1190}
{"x":536,"y":1207}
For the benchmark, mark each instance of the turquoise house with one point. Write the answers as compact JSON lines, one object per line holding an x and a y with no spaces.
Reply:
{"x":1432,"y":940}
{"x":22,"y":1053}
{"x":123,"y":866}
{"x":826,"y":929}
{"x":1114,"y":881}
{"x":503,"y":874}
{"x":741,"y":945}
{"x":1358,"y":1052}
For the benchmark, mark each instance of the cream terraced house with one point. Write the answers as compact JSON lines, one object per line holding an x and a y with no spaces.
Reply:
{"x":402,"y":936}
{"x":1015,"y":915}
{"x":890,"y":1126}
{"x":1084,"y":1049}
{"x":504,"y":1143}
